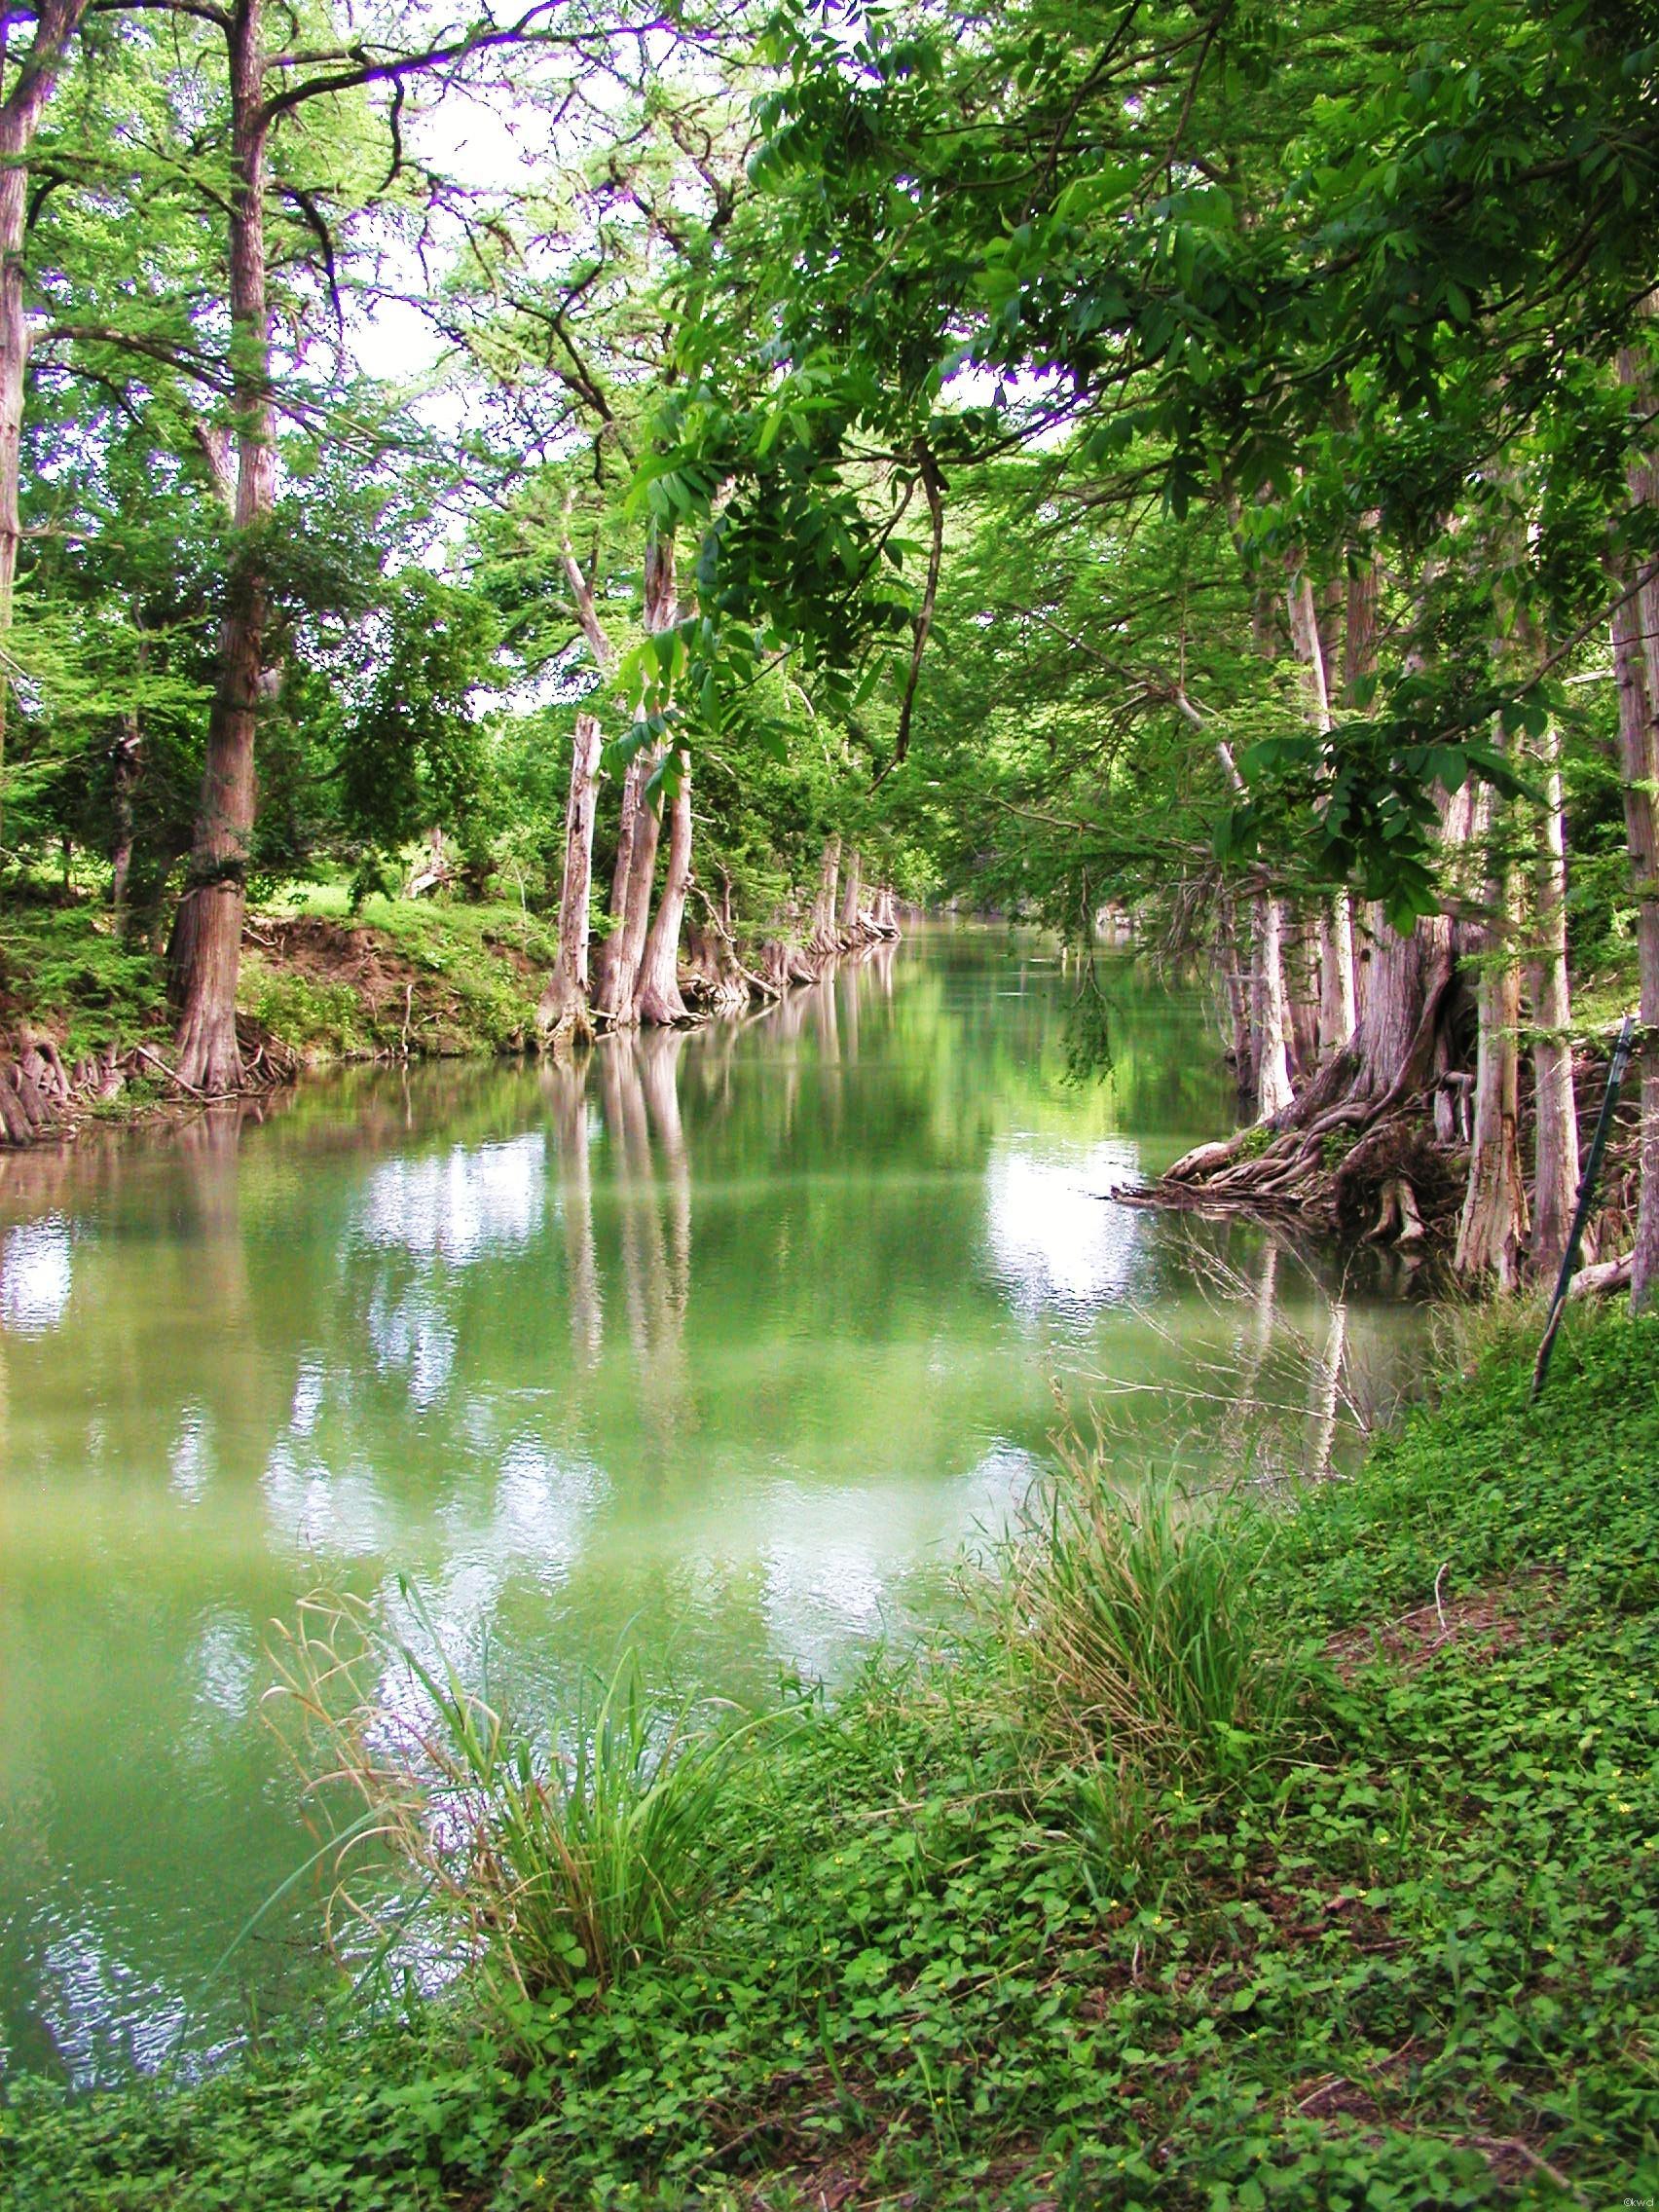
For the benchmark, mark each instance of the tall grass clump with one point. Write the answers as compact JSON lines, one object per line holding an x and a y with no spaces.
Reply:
{"x":549,"y":1861}
{"x":1135,"y":1621}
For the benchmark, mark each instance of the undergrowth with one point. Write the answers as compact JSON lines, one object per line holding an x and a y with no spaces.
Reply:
{"x":474,"y":972}
{"x":64,"y":971}
{"x":548,"y":1859}
{"x":989,"y":1934}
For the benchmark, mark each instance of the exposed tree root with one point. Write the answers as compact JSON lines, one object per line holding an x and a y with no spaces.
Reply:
{"x":41,"y":1099}
{"x":1372,"y":1170}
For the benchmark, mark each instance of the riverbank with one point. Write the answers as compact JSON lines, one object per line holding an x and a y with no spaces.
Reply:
{"x":1395,"y":1942}
{"x":320,"y":984}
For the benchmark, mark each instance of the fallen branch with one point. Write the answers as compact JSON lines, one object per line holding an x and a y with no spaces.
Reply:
{"x":143,"y":1053}
{"x":1604,"y":1276}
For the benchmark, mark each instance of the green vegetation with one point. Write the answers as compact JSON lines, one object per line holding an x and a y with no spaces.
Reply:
{"x":1091,"y":1910}
{"x":417,"y":976}
{"x":549,"y":1872}
{"x":62,"y":975}
{"x":329,"y":981}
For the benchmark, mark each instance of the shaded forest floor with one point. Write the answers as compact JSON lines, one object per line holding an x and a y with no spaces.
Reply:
{"x":1400,"y":1948}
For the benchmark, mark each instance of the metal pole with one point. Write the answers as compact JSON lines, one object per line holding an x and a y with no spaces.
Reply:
{"x":1586,"y":1196}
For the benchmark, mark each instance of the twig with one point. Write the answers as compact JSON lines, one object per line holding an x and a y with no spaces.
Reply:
{"x":144,"y":1053}
{"x":1525,"y":2150}
{"x":1439,"y":1579}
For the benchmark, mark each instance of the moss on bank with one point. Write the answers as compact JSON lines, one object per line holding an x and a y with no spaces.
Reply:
{"x":1408,"y":1956}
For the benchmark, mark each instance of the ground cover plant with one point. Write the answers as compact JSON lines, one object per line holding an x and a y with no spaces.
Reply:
{"x":977,"y":1935}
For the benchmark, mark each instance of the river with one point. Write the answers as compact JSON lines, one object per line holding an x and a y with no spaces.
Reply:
{"x":720,"y":1349}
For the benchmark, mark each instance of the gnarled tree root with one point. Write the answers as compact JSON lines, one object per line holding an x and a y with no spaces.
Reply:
{"x":1376,"y":1171}
{"x":41,"y":1099}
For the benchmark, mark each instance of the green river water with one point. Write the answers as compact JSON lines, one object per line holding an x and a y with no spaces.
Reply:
{"x":719,"y":1348}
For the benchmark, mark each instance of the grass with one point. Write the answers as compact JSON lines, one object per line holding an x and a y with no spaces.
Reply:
{"x":428,"y":975}
{"x":549,"y":1858}
{"x":986,"y":1934}
{"x":1132,"y":1625}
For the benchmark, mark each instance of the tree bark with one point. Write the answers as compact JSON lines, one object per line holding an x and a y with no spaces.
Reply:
{"x":1638,"y":766}
{"x":1555,"y":1178}
{"x":1273,"y":1092}
{"x":1403,"y":971}
{"x":1303,"y":941}
{"x":611,"y":998}
{"x":562,"y":1014}
{"x":642,"y":823}
{"x":659,"y":1003}
{"x":129,"y":756}
{"x":1636,"y":661}
{"x":1270,"y":1012}
{"x":1337,"y":1016}
{"x":822,"y":937}
{"x":1494,"y":1226}
{"x":1238,"y":998}
{"x":627,"y":944}
{"x":206,"y":946}
{"x":56,"y":23}
{"x":852,"y":927}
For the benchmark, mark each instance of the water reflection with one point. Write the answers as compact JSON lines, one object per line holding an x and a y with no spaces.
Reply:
{"x":35,"y":1276}
{"x":723,"y":1343}
{"x":457,"y":1205}
{"x":1056,"y":1241}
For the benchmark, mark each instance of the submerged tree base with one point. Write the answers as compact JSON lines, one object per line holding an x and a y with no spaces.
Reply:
{"x":1396,"y":1941}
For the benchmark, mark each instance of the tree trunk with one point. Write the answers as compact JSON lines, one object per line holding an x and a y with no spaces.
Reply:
{"x":1337,"y":1016}
{"x":822,"y":937}
{"x":206,"y":946}
{"x":1238,"y":991}
{"x":56,"y":23}
{"x":563,"y":1014}
{"x":611,"y":998}
{"x":1401,"y":969}
{"x":627,"y":946}
{"x":658,"y":1000}
{"x":642,"y":822}
{"x":1302,"y":990}
{"x":129,"y":757}
{"x":1493,"y":1224}
{"x":1272,"y":1055}
{"x":852,"y":927}
{"x":1394,"y":1045}
{"x":1639,"y":765}
{"x":1555,"y":1179}
{"x":1636,"y":658}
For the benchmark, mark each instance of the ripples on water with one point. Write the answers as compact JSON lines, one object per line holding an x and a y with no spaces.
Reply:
{"x":723,"y":1344}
